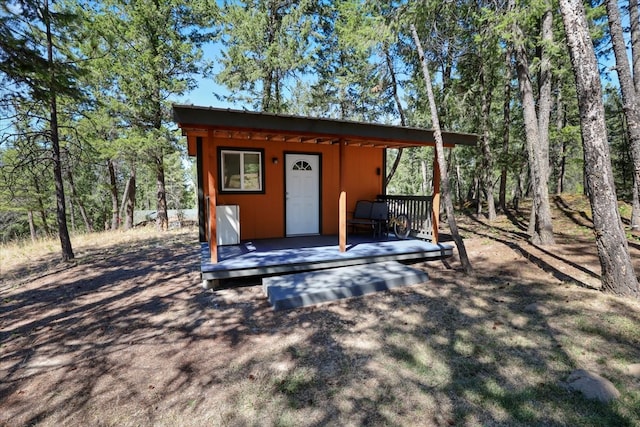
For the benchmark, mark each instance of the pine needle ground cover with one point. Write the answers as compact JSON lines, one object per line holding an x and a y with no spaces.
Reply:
{"x":125,"y":336}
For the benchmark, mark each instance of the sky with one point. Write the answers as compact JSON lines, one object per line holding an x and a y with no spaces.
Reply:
{"x":203,"y":94}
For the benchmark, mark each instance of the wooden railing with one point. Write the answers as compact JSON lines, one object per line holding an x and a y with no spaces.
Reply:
{"x":417,"y":208}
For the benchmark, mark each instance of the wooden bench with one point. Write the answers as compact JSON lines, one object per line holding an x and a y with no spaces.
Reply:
{"x":369,"y":214}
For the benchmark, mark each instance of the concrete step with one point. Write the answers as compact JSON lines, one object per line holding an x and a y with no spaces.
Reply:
{"x":313,"y":287}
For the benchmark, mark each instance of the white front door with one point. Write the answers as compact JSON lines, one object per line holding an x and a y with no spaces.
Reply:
{"x":302,"y":194}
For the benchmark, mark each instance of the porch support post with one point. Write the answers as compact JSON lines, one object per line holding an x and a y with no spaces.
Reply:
{"x":435,"y":201}
{"x":342,"y":202}
{"x":213,"y":237}
{"x":213,"y":233}
{"x":202,"y":217}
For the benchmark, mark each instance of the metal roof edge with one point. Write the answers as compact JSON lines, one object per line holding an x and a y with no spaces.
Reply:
{"x":264,"y":121}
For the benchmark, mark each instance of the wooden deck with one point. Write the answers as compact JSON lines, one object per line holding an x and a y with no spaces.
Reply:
{"x":295,"y":254}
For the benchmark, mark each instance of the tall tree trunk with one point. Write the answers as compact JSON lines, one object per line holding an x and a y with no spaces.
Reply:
{"x":627,"y":87}
{"x":562,"y":167}
{"x":618,"y":275}
{"x":442,"y":163}
{"x":61,"y":210}
{"x":478,"y":191}
{"x":72,"y":213}
{"x":517,"y":192}
{"x":41,"y":209}
{"x":506,"y":123}
{"x":129,"y":200}
{"x":531,"y":229}
{"x":424,"y":182}
{"x":542,"y":230}
{"x":74,"y":196}
{"x":562,"y":161}
{"x":162,"y":220}
{"x":544,"y":87}
{"x":487,"y":155}
{"x":634,"y":23}
{"x":446,"y":74}
{"x":635,"y":211}
{"x":458,"y":186}
{"x":455,"y":171}
{"x":43,"y":217}
{"x":634,"y":20}
{"x":32,"y":226}
{"x":403,"y":122}
{"x":113,"y":189}
{"x":472,"y":193}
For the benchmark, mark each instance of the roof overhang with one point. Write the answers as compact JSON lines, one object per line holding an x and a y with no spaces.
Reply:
{"x":225,"y":123}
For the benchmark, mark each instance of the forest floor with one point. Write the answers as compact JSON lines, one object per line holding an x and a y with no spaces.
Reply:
{"x":125,"y":336}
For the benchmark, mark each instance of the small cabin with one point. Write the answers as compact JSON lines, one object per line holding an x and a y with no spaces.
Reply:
{"x":279,"y":176}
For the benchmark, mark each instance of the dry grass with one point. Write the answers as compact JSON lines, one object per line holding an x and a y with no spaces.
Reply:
{"x":126,"y":337}
{"x":23,"y":260}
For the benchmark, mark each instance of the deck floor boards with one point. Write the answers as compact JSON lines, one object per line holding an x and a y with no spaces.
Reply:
{"x":293,"y":254}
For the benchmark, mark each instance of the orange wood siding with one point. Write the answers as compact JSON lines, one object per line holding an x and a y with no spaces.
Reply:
{"x":191,"y":145}
{"x":263,"y":215}
{"x":361,"y":179}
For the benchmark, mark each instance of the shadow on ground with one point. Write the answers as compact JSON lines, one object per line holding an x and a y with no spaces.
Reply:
{"x":127,"y":337}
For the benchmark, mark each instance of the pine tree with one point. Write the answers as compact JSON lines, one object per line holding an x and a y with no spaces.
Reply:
{"x":630,"y":97}
{"x":37,"y":66}
{"x":152,"y":50}
{"x":446,"y":191}
{"x":267,"y":44}
{"x":618,"y":275}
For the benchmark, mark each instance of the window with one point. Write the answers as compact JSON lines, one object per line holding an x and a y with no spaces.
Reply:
{"x":301,"y":165}
{"x":241,"y":170}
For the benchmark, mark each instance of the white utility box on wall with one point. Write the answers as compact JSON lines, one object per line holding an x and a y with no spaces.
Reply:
{"x":228,"y":224}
